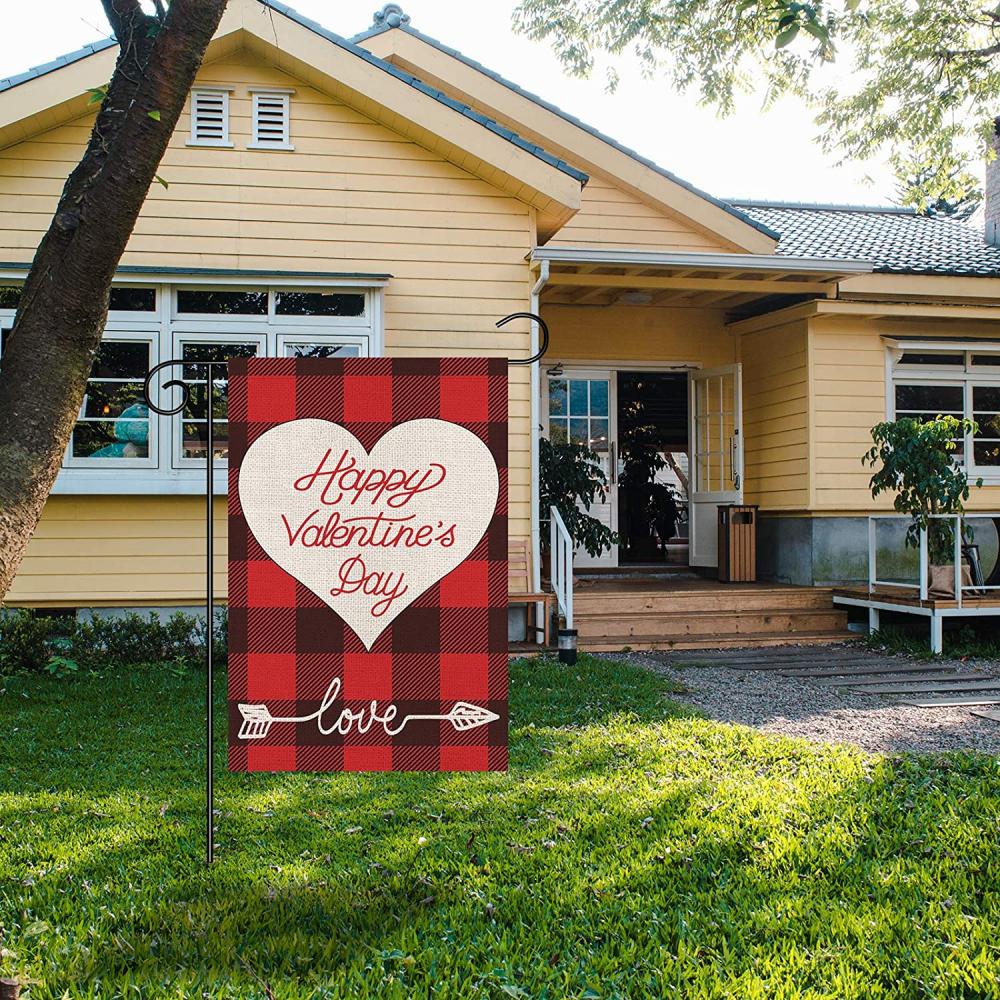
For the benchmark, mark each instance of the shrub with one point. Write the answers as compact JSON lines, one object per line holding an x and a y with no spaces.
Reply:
{"x":30,"y":641}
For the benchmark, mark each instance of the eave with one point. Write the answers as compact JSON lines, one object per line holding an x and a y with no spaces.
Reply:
{"x":582,"y":276}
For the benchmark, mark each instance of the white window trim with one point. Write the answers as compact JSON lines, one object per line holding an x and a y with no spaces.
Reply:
{"x":967,"y":376}
{"x":224,"y":142}
{"x":159,"y":477}
{"x":284,"y":95}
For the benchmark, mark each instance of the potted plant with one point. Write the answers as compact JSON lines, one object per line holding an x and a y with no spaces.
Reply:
{"x":572,"y":481}
{"x":915,"y":460}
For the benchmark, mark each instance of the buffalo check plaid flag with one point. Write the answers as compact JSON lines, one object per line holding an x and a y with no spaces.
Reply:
{"x":447,"y":648}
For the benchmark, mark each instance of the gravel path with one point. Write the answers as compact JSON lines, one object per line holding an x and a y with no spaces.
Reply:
{"x":803,"y":707}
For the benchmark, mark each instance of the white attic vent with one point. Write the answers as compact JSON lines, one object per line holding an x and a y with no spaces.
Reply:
{"x":210,"y":117}
{"x":272,"y":119}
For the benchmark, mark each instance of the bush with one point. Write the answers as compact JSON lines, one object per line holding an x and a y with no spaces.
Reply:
{"x":32,"y":642}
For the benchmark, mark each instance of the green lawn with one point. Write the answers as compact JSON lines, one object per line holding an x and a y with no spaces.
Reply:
{"x":632,"y":851}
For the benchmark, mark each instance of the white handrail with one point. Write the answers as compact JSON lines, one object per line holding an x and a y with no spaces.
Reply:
{"x":561,"y":553}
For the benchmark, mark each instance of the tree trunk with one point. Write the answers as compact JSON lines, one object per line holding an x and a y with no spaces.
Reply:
{"x":64,"y":304}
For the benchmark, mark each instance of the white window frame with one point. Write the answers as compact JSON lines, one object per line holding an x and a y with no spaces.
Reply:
{"x":124,"y":333}
{"x":230,"y":336}
{"x":282,"y":95}
{"x":967,"y":376}
{"x":158,"y":474}
{"x":223,"y":92}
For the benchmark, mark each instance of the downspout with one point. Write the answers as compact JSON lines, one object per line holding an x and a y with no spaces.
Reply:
{"x":534,"y":416}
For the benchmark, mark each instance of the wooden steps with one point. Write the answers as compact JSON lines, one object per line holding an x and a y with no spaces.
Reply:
{"x":706,"y":615}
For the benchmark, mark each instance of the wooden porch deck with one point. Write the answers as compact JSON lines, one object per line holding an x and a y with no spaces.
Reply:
{"x":909,"y":598}
{"x":683,"y":611}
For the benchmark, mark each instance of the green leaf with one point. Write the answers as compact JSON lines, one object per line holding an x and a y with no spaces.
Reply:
{"x":97,"y":94}
{"x":786,"y":37}
{"x":155,"y":115}
{"x":160,"y":180}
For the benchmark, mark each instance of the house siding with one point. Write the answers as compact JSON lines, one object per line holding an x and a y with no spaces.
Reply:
{"x":776,"y":410}
{"x":353,"y":197}
{"x":611,"y":218}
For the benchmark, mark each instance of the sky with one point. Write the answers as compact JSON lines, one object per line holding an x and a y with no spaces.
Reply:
{"x":754,"y":154}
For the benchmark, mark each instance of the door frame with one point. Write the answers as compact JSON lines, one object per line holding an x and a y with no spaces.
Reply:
{"x":699,"y":501}
{"x":598,"y":368}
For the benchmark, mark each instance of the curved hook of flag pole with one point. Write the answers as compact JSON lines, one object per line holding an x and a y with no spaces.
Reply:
{"x":543,"y":326}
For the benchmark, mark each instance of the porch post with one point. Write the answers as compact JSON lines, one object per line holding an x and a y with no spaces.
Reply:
{"x":534,"y":412}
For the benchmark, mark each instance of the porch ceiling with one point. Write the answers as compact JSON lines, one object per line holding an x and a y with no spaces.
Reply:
{"x":582,"y":276}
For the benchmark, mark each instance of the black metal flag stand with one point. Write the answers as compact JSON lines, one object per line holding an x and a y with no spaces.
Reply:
{"x":181,"y":384}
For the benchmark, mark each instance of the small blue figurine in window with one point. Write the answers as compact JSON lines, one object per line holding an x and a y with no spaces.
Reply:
{"x":131,"y":434}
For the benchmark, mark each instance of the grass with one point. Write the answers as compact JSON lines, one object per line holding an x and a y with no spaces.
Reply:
{"x":632,"y":851}
{"x":977,"y":642}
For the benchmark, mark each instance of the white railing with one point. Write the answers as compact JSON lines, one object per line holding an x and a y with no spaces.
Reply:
{"x":922,"y":584}
{"x":561,"y":553}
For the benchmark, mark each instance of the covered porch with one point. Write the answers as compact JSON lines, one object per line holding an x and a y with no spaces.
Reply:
{"x":644,"y":368}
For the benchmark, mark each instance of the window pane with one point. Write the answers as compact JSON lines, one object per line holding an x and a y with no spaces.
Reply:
{"x":111,"y":399}
{"x":196,"y":439}
{"x":598,"y":435}
{"x":219,"y":302}
{"x":557,"y":397}
{"x":10,"y":296}
{"x":989,"y":425}
{"x":558,"y":433}
{"x":986,"y":397}
{"x":322,"y":351}
{"x":121,"y":359}
{"x":986,"y":452}
{"x":213,"y":352}
{"x":986,"y":360}
{"x":318,"y":304}
{"x":925,"y":358}
{"x":578,"y":398}
{"x":943,"y":399}
{"x":133,"y":299}
{"x":124,"y":438}
{"x":599,"y":398}
{"x":578,"y":431}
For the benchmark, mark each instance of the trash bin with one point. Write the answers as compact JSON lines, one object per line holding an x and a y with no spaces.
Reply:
{"x":737,"y":543}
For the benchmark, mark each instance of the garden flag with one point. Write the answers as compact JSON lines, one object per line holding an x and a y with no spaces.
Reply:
{"x":367,"y":564}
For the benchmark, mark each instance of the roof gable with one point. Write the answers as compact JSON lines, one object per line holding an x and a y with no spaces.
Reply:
{"x":57,"y":92}
{"x":395,"y":40}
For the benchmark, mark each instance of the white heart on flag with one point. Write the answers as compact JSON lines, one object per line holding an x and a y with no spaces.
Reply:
{"x":369,"y":532}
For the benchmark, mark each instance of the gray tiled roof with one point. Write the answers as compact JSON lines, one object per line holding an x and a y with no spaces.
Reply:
{"x":895,"y":240}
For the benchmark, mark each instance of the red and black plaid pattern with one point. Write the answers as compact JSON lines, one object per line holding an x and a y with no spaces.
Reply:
{"x":450,"y":645}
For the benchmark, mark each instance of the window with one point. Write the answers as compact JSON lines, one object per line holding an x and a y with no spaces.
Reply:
{"x":114,"y":422}
{"x":221,"y":302}
{"x":930,"y":382}
{"x":271,"y":125}
{"x":118,"y":446}
{"x":210,"y":117}
{"x":132,"y":299}
{"x":193,"y":440}
{"x":318,"y":304}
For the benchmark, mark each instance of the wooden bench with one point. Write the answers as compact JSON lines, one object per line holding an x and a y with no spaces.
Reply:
{"x":519,"y":589}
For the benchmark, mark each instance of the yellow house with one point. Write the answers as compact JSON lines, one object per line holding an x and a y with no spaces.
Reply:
{"x":386,"y":194}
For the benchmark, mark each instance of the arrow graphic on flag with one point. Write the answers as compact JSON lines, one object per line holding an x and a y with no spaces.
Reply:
{"x":257,"y":719}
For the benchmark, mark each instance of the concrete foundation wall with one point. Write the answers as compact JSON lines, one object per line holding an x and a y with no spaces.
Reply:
{"x":826,"y":551}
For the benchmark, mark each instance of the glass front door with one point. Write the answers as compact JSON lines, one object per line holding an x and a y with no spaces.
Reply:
{"x":716,"y":455}
{"x":582,"y":409}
